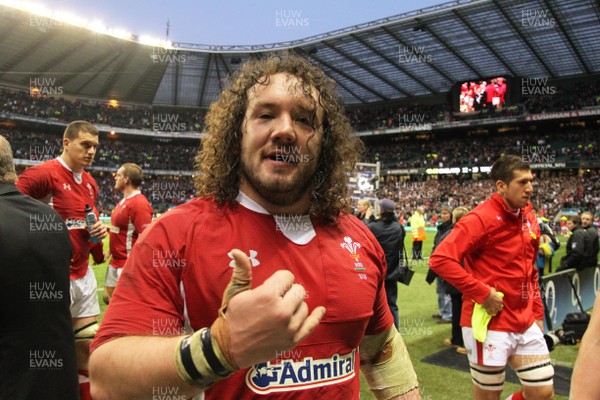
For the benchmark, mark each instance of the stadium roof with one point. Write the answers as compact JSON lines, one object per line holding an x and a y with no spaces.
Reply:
{"x":413,"y":54}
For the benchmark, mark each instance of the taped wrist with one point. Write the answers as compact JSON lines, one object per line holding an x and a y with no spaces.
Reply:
{"x":199,"y":360}
{"x":386,"y":365}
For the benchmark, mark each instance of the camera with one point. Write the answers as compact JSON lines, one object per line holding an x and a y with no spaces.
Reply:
{"x":553,"y":338}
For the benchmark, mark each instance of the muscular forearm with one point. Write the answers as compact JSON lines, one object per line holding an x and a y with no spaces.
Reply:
{"x":133,"y":367}
{"x":386,"y":364}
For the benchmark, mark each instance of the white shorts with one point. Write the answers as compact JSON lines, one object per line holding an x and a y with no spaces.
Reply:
{"x":112,"y":276}
{"x":84,"y":299}
{"x":500,"y":346}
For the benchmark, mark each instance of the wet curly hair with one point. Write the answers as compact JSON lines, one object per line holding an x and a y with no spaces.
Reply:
{"x":219,"y":156}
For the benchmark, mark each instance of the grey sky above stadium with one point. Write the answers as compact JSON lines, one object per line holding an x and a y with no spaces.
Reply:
{"x":228,"y":22}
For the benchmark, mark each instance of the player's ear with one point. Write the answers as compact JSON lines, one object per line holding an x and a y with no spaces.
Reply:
{"x":501,"y":186}
{"x":65,"y":142}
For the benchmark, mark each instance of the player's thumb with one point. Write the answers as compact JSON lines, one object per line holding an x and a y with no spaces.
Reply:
{"x":241,"y":279}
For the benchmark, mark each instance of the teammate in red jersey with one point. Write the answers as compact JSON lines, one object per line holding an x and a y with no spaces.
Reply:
{"x":498,"y":243}
{"x":273,"y":181}
{"x":65,"y":186}
{"x":128,"y":220}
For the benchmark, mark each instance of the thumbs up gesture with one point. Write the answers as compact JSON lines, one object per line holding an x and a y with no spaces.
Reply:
{"x":254,"y":325}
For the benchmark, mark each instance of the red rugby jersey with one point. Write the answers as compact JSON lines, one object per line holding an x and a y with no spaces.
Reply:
{"x":129,"y":218}
{"x":68,"y":192}
{"x":175,"y":277}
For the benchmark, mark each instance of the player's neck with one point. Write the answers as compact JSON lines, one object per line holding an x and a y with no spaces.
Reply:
{"x":73,"y":166}
{"x":300,"y":207}
{"x":129,"y":190}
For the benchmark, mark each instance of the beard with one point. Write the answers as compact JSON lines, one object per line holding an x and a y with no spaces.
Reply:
{"x":281,"y":190}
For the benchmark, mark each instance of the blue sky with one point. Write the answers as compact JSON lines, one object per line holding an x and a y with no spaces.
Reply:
{"x":241,"y":22}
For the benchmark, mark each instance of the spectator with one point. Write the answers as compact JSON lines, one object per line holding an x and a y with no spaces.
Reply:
{"x":390,"y":235}
{"x":363,"y":207}
{"x":445,"y":308}
{"x":575,"y":256}
{"x":591,"y":242}
{"x":417,"y":227}
{"x":456,"y":296}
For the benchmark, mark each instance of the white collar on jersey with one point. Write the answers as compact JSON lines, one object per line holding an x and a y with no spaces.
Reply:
{"x":130,"y":196}
{"x":76,"y":175}
{"x":297,"y":228}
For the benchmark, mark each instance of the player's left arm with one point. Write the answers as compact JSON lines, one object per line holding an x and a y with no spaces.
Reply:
{"x":386,"y":364}
{"x":141,"y":216}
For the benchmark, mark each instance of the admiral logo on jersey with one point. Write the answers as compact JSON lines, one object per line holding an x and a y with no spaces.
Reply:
{"x":288,"y":375}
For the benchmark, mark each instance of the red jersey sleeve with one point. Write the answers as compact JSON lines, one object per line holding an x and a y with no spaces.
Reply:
{"x":96,"y":250}
{"x":141,"y":214}
{"x":35,"y":182}
{"x":446,"y":260}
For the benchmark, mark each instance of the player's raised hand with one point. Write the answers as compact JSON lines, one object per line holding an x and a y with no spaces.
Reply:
{"x":255,"y":324}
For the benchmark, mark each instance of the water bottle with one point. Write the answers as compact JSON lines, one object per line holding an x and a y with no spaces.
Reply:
{"x":90,"y":220}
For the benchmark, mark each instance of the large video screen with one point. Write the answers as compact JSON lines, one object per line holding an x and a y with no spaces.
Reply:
{"x":483,"y":95}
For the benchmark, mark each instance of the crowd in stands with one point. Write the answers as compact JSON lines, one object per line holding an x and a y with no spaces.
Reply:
{"x":111,"y":153}
{"x":581,"y":145}
{"x":551,"y":193}
{"x":164,"y":192}
{"x":139,"y":117}
{"x":362,"y":119}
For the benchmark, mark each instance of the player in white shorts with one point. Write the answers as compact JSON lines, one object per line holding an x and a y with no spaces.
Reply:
{"x":498,"y":243}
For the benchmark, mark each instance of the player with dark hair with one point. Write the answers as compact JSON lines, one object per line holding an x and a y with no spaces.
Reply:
{"x":278,"y":147}
{"x":128,"y":220}
{"x":69,"y":189}
{"x":502,"y":312}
